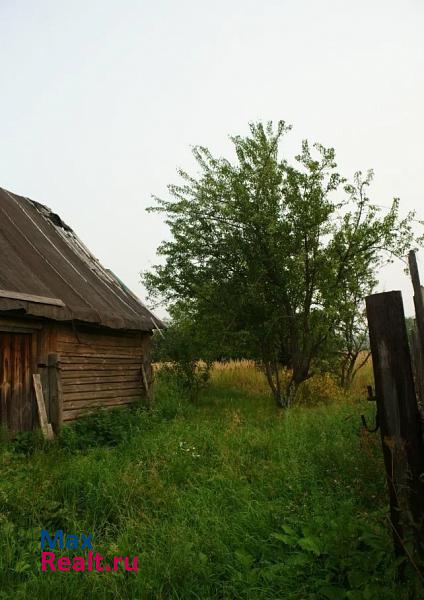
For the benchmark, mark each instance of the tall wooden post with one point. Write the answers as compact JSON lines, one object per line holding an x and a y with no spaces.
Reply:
{"x":55,"y":392}
{"x":147,"y":371}
{"x":418,"y":333}
{"x":418,"y":368}
{"x":401,"y":435}
{"x":418,"y":294}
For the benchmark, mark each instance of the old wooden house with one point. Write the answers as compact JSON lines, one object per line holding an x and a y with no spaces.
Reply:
{"x":67,"y":318}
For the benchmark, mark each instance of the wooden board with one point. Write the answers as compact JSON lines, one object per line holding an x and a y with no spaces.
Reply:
{"x":104,"y":351}
{"x":97,"y":367}
{"x":99,"y":394}
{"x":26,"y":323}
{"x":80,"y":386}
{"x":31,"y":298}
{"x":70,"y":376}
{"x":99,"y":402}
{"x":46,"y":428}
{"x":131,"y":340}
{"x":97,"y":360}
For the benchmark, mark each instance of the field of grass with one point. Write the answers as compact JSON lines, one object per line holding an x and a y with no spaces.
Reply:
{"x":228,"y":499}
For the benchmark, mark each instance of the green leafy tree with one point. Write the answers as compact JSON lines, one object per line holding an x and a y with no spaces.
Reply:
{"x":273,"y":253}
{"x":181,"y":353}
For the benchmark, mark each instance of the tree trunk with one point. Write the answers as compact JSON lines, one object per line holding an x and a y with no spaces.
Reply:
{"x":347,"y":370}
{"x":273,"y":378}
{"x":291,"y":391}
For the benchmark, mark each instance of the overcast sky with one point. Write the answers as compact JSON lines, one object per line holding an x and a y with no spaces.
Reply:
{"x":100,"y":101}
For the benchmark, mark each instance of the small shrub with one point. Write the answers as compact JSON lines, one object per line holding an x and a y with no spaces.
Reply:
{"x":180,"y":353}
{"x":105,"y":427}
{"x":319,"y":389}
{"x":27,"y":442}
{"x":190,"y":377}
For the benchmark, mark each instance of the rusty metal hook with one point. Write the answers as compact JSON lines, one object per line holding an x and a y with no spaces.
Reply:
{"x":375,"y":428}
{"x":371,"y":398}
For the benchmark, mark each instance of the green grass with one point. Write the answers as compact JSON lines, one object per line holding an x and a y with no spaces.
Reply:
{"x":227,"y":499}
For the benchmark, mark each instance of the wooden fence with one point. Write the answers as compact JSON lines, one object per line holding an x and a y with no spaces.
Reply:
{"x":399,"y":393}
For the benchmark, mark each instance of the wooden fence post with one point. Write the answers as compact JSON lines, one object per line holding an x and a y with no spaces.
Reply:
{"x":400,"y":425}
{"x":418,"y":368}
{"x":417,"y":337}
{"x":55,"y":392}
{"x":418,"y":294}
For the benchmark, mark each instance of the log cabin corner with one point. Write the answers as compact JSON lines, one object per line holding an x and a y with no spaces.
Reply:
{"x":67,"y":318}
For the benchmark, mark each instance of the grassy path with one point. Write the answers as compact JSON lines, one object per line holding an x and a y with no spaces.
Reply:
{"x":225,"y":500}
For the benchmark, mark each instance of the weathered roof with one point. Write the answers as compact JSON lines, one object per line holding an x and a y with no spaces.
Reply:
{"x":46,"y":271}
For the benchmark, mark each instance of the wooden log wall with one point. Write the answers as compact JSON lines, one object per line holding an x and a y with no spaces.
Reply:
{"x":99,"y":369}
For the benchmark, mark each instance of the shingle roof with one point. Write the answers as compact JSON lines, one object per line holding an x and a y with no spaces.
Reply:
{"x":41,"y":256}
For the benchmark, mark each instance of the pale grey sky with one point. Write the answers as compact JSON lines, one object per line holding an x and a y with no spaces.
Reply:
{"x":100,"y":101}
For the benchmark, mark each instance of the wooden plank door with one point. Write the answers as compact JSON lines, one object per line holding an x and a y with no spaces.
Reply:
{"x":16,"y":396}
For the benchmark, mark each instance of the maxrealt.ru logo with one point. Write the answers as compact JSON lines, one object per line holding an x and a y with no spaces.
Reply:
{"x":89,"y":562}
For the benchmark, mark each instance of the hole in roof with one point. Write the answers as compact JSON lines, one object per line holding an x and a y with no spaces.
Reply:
{"x":56,"y":220}
{"x":53,"y":217}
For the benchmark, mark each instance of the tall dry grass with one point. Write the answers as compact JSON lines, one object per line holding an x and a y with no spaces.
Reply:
{"x":363,"y":378}
{"x":249,"y":377}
